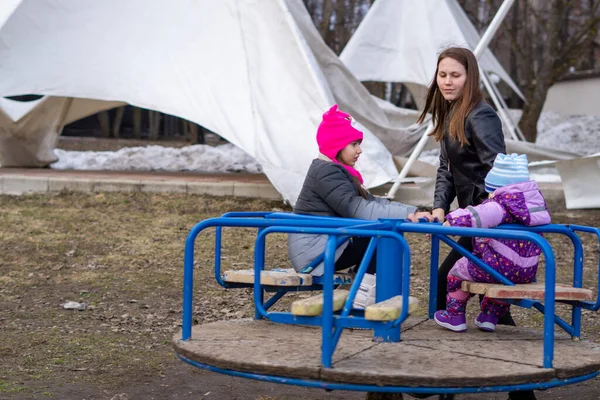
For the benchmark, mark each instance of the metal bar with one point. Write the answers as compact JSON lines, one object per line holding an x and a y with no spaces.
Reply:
{"x":494,"y":96}
{"x":319,"y":259}
{"x":553,"y":383}
{"x":549,"y":299}
{"x":411,"y":160}
{"x":492,"y":28}
{"x":405,"y":289}
{"x":188,"y":278}
{"x":360,"y":274}
{"x":434,"y":262}
{"x":559,"y":321}
{"x":327,"y":329}
{"x":245,"y":214}
{"x":596,"y":231}
{"x":259,"y":263}
{"x":388,"y":282}
{"x":218,"y":233}
{"x":486,"y":268}
{"x":504,"y":107}
{"x":275,"y":298}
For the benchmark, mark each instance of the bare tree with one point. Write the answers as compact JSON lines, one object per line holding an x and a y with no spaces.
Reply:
{"x":337,"y":20}
{"x":553,"y":37}
{"x":540,"y":40}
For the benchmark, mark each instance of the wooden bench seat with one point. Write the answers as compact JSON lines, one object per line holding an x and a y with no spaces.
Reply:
{"x":390,"y":309}
{"x":312,"y":306}
{"x":387,"y":310}
{"x":285,"y":277}
{"x":275,"y":277}
{"x":533,"y":291}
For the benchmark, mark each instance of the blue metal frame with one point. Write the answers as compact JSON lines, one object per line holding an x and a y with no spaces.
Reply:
{"x":393,"y":278}
{"x":392,"y":389}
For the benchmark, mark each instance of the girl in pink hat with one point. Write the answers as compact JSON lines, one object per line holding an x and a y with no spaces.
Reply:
{"x":333,"y":187}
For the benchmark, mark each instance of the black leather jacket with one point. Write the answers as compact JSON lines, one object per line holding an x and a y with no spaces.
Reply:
{"x":463,"y":169}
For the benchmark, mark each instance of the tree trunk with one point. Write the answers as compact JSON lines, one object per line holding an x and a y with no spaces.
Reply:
{"x":326,"y":21}
{"x":137,"y":122}
{"x":104,"y":120}
{"x":515,"y":100}
{"x":154,"y":122}
{"x":193,"y":132}
{"x":116,"y":127}
{"x":532,"y":111}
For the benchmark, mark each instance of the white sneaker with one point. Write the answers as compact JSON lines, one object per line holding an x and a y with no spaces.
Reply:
{"x":366,"y":293}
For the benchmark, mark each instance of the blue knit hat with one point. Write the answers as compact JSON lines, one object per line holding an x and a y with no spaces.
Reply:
{"x":508,"y":169}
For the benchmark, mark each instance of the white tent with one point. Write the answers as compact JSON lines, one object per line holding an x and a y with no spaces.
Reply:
{"x":400,"y":40}
{"x":241,"y":68}
{"x":29,"y":131}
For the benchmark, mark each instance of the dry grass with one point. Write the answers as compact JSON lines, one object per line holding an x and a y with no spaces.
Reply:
{"x":122,"y":254}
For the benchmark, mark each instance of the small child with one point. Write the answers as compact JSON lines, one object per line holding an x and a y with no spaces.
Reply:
{"x":513,"y":199}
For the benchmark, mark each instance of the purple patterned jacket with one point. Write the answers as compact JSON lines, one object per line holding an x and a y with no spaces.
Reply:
{"x":518,"y":203}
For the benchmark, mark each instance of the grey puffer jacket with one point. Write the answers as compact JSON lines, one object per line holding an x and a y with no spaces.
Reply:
{"x":329,"y":190}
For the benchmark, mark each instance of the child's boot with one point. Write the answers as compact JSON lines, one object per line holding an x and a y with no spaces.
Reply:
{"x":491,"y":311}
{"x":486,"y":322}
{"x":365,"y":296}
{"x":453,"y":317}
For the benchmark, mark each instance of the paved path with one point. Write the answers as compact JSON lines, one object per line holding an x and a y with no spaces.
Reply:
{"x":18,"y":181}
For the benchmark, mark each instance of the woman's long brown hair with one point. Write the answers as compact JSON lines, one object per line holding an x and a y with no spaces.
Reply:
{"x":454,"y":114}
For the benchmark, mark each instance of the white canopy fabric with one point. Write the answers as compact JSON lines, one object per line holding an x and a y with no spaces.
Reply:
{"x":78,"y":108}
{"x":400,"y":40}
{"x":29,"y":131}
{"x":238,"y":67}
{"x":7,"y":7}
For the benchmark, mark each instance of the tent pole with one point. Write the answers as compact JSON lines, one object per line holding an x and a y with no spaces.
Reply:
{"x":491,"y":30}
{"x":481,"y":46}
{"x":494,"y":96}
{"x":505,"y":107}
{"x":413,"y":156}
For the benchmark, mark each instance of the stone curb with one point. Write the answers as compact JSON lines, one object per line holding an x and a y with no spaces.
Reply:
{"x":20,"y":184}
{"x":23,"y":184}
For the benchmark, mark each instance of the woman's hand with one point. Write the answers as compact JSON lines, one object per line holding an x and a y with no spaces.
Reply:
{"x":423,"y":214}
{"x":446,"y":223}
{"x":439,"y":214}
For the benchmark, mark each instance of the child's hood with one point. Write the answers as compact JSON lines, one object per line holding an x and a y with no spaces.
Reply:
{"x":524,"y":202}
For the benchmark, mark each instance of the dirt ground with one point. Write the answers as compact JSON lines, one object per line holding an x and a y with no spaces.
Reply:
{"x":122,"y":255}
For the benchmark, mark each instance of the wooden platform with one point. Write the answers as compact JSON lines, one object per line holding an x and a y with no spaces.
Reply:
{"x":427,"y":356}
{"x":534,"y":291}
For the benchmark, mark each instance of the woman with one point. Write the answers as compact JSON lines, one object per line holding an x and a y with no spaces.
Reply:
{"x":470,"y":136}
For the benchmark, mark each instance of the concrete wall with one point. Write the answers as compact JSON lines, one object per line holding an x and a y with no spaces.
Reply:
{"x":575,"y":97}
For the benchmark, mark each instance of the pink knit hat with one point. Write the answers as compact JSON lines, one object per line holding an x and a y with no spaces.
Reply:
{"x":335,"y":132}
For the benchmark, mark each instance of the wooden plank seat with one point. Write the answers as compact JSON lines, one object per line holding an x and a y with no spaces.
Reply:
{"x":312,"y":306}
{"x":274,"y":277}
{"x":390,"y":309}
{"x":285,"y":277}
{"x":387,"y":310}
{"x":533,"y":291}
